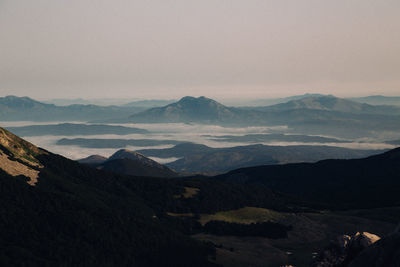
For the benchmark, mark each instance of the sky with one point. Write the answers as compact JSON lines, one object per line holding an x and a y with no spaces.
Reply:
{"x":217,"y":48}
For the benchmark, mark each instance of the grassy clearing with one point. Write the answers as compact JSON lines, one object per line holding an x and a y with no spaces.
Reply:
{"x":245,"y":215}
{"x":189,"y":192}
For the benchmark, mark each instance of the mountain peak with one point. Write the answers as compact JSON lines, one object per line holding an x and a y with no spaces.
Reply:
{"x":133,"y":163}
{"x":323,"y":102}
{"x":93,"y":160}
{"x":188,"y":109}
{"x":128,"y":154}
{"x":13,"y":98}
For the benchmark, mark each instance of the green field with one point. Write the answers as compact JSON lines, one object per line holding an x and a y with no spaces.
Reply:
{"x":245,"y":215}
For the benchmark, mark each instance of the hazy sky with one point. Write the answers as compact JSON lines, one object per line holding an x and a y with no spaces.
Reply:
{"x":216,"y":48}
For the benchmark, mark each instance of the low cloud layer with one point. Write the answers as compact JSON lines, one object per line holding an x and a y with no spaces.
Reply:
{"x":201,"y":134}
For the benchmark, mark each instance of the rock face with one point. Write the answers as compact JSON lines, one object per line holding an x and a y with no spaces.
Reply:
{"x":344,"y":249}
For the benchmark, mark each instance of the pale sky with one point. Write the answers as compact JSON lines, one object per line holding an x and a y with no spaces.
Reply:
{"x":216,"y":48}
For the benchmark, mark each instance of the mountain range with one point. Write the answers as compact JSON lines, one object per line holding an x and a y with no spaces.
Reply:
{"x":326,"y":115}
{"x":202,"y":109}
{"x":316,"y":115}
{"x":14,"y":108}
{"x":331,"y":103}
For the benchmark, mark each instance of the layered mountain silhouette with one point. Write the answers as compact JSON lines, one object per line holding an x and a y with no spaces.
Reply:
{"x":197,"y":158}
{"x":325,"y":115}
{"x":331,"y":103}
{"x":202,"y":109}
{"x":320,"y":115}
{"x":367,"y":182}
{"x":130,"y":163}
{"x":13,"y":108}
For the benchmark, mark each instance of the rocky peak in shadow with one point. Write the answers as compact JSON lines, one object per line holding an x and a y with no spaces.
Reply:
{"x":130,"y":163}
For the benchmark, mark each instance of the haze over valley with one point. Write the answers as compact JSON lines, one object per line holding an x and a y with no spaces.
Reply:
{"x":303,"y":124}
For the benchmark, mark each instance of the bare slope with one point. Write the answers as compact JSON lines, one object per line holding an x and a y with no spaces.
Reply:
{"x":19,"y":157}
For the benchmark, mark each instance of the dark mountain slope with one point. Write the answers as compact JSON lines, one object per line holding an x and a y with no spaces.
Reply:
{"x":368,"y":182}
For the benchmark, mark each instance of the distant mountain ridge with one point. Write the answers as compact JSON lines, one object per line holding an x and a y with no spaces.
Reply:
{"x":317,"y":115}
{"x":331,"y":103}
{"x":13,"y":108}
{"x":378,"y":100}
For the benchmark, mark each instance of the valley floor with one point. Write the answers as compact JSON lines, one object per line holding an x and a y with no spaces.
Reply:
{"x":311,"y":233}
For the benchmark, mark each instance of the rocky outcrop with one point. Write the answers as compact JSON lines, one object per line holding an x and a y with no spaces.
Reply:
{"x":344,"y":249}
{"x":385,"y":252}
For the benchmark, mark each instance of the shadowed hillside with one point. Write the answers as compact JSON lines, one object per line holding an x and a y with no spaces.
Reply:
{"x":368,"y":182}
